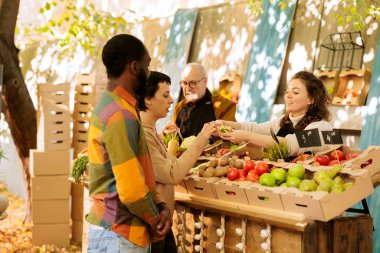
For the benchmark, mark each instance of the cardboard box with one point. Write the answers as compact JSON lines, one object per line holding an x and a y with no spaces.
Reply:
{"x":50,"y":187}
{"x":82,"y":117}
{"x":231,"y":190}
{"x":83,"y":107}
{"x":330,"y":79}
{"x":353,"y":87}
{"x":52,"y":116}
{"x":81,"y":126}
{"x":55,"y":234}
{"x":54,"y":98}
{"x":85,"y":98}
{"x":368,"y":159}
{"x":324,"y":206}
{"x":180,"y":187}
{"x":80,"y":135}
{"x":51,"y":211}
{"x":53,"y":88}
{"x":53,"y":145}
{"x":263,"y":196}
{"x":200,"y":186}
{"x":85,"y":79}
{"x":49,"y":163}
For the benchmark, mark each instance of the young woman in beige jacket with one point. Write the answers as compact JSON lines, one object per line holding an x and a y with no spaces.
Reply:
{"x":168,"y":171}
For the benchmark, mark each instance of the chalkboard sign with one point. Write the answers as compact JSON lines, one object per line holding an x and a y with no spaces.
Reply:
{"x":308,"y":138}
{"x":332,"y":137}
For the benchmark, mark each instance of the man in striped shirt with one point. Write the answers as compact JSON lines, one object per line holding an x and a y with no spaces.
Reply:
{"x":127,"y":214}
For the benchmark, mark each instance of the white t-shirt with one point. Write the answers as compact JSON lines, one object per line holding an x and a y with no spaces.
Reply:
{"x":291,"y":139}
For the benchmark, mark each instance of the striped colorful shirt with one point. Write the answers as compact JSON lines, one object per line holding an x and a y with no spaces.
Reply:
{"x":121,"y":180}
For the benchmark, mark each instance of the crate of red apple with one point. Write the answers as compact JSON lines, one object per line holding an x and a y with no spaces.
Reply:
{"x":319,"y":192}
{"x":355,"y":159}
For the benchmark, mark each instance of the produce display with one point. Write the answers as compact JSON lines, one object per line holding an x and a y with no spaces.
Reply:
{"x":312,"y":187}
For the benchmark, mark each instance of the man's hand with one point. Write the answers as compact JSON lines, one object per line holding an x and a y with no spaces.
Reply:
{"x":170,"y":128}
{"x":164,"y":223}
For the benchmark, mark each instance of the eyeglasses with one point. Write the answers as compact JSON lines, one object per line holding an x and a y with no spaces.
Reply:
{"x":192,"y":84}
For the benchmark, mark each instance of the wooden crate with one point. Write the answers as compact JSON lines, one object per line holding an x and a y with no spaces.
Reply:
{"x":288,"y":235}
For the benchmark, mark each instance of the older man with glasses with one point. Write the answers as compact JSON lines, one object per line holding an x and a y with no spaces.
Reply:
{"x":198,"y":106}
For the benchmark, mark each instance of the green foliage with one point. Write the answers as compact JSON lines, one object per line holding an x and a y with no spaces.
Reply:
{"x":77,"y":27}
{"x":276,"y":152}
{"x":353,"y":11}
{"x":256,"y":10}
{"x":79,"y":167}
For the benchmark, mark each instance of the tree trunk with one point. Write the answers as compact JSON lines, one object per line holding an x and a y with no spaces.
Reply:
{"x":18,"y":107}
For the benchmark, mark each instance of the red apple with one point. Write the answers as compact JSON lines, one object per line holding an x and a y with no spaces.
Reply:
{"x":322,"y":160}
{"x":337,"y":155}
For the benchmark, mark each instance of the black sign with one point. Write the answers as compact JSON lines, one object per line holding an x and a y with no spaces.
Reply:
{"x":308,"y":138}
{"x":332,"y":137}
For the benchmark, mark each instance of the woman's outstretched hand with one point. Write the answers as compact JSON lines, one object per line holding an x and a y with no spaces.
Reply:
{"x":235,"y":136}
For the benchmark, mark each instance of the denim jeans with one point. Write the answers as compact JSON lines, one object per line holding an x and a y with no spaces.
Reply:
{"x":107,"y":241}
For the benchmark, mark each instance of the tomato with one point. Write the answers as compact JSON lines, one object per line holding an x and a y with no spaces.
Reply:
{"x":248,"y":166}
{"x":233,"y":174}
{"x":337,"y":155}
{"x":223,"y":151}
{"x":242,"y":173}
{"x":322,"y":160}
{"x":351,"y":156}
{"x":261,"y":168}
{"x":333,"y":162}
{"x":252,"y":176}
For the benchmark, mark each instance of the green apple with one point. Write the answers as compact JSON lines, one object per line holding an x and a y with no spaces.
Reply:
{"x":297,"y":171}
{"x":283,"y":184}
{"x":279,"y":174}
{"x":267,"y":180}
{"x":308,"y":185}
{"x":293,"y":182}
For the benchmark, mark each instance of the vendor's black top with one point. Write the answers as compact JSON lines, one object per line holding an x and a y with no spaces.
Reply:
{"x":286,"y":129}
{"x":193,"y":116}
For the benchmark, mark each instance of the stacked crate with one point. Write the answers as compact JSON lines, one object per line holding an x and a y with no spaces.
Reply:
{"x":50,"y":166}
{"x":83,"y":109}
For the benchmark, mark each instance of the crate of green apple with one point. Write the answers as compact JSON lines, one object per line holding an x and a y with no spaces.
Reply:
{"x":319,"y":193}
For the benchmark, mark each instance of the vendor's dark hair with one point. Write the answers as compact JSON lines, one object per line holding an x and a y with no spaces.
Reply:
{"x":152,"y":87}
{"x":319,"y":109}
{"x":119,"y":51}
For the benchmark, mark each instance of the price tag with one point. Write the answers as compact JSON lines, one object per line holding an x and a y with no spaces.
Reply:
{"x":308,"y":138}
{"x":332,"y":137}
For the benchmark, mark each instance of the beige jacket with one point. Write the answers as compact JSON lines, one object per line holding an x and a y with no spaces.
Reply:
{"x":167,"y":172}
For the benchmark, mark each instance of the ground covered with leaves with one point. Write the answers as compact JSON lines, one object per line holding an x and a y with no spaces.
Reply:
{"x":16,"y":236}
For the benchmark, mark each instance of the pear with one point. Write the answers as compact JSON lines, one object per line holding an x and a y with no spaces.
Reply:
{"x":333,"y":171}
{"x":325,"y":185}
{"x":348,"y":185}
{"x":319,"y":176}
{"x":308,"y":185}
{"x":337,"y":187}
{"x":339,"y":180}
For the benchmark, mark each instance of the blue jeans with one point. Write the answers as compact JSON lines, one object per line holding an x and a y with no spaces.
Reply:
{"x":106,"y":241}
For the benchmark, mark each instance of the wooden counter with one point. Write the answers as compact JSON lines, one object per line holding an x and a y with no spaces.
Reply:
{"x":289,"y":232}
